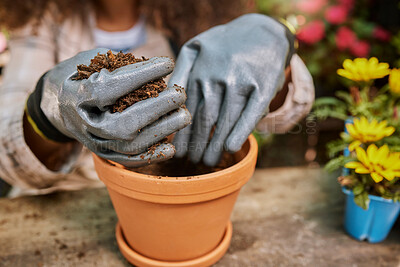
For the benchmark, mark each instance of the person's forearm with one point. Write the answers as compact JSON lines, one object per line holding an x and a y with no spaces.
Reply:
{"x":52,"y":154}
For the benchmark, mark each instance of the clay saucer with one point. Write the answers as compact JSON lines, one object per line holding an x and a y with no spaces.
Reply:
{"x":142,"y":261}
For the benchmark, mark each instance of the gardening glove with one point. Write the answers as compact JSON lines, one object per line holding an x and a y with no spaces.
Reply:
{"x":231,"y":73}
{"x":65,"y":110}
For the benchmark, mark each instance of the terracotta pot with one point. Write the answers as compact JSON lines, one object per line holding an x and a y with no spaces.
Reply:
{"x":176,"y":221}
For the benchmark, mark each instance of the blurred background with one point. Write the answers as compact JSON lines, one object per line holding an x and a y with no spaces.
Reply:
{"x":328,"y":31}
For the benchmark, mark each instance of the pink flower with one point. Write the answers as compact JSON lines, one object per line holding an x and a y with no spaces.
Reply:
{"x":336,"y":14}
{"x":345,"y":38}
{"x":311,"y":6}
{"x":381,"y":34}
{"x":348,"y":4}
{"x":312,"y":32}
{"x":360,"y":49}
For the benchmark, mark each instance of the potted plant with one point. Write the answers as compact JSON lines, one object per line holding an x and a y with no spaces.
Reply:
{"x":370,"y":146}
{"x":176,"y":221}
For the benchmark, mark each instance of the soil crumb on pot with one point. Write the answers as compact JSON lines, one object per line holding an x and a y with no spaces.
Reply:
{"x":180,"y":167}
{"x":112,"y":62}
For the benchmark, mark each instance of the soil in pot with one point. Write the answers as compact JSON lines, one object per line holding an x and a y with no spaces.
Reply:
{"x":112,"y":62}
{"x":183,"y":167}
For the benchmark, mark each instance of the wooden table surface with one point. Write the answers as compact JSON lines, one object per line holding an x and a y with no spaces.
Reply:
{"x":283,"y":217}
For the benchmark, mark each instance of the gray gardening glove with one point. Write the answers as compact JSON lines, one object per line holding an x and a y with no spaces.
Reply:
{"x":79,"y":109}
{"x":231,"y":73}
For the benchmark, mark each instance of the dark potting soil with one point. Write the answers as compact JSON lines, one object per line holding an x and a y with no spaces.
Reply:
{"x":179,"y":167}
{"x":112,"y":62}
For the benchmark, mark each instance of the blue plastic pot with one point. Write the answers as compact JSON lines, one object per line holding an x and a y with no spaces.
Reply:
{"x":373,"y":224}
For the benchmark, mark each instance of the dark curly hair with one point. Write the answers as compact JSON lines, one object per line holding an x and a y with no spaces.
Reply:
{"x":178,"y":19}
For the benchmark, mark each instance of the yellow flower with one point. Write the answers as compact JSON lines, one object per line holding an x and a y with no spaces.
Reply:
{"x":362,"y":69}
{"x":363,"y":131}
{"x":379,"y":163}
{"x":394,"y":81}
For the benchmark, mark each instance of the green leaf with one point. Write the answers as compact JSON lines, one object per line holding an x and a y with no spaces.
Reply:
{"x":323,"y":114}
{"x":393,"y":140}
{"x":358,"y":189}
{"x":336,"y":146}
{"x":346,"y":137}
{"x":322,"y":101}
{"x":337,"y":163}
{"x":380,"y":189}
{"x":345,"y":96}
{"x":395,"y":148}
{"x":362,"y":200}
{"x":325,"y":107}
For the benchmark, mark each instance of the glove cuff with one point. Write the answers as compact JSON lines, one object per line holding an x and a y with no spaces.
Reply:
{"x":38,"y":119}
{"x":290,"y":36}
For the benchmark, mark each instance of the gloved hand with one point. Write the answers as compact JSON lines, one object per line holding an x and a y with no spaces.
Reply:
{"x":66,"y":109}
{"x":231,"y":73}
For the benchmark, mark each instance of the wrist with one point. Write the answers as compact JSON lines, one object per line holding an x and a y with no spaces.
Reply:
{"x":51,"y":154}
{"x":38,"y":120}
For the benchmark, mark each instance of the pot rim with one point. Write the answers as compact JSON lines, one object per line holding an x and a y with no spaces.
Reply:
{"x":252,"y":141}
{"x":371,"y":197}
{"x":179,"y":189}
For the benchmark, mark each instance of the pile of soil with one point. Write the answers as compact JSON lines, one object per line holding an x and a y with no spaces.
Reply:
{"x":179,"y":167}
{"x":112,"y":62}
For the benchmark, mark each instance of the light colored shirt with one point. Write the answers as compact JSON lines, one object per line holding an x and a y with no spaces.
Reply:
{"x":124,"y":41}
